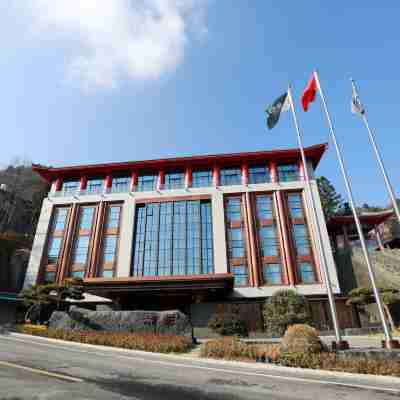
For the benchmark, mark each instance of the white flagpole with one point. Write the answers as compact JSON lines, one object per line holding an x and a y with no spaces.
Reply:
{"x":371,"y":272}
{"x":322,"y":255}
{"x":379,"y":159}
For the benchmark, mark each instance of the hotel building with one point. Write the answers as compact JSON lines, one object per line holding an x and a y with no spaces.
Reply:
{"x":201,"y":233}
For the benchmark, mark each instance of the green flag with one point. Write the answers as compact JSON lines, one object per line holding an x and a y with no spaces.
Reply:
{"x":281,"y":104}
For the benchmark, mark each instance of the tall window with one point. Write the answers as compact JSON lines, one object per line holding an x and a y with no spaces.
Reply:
{"x":55,"y":242}
{"x":288,"y":172}
{"x":236,"y":241}
{"x":301,"y":239}
{"x":269,"y":241}
{"x":230,"y":176}
{"x":173,"y":238}
{"x":120,"y":184}
{"x":95,"y":185}
{"x":70,"y":186}
{"x":110,"y":241}
{"x":174,"y":180}
{"x":83,"y":237}
{"x":202,"y":178}
{"x":258,"y":174}
{"x":147,"y":183}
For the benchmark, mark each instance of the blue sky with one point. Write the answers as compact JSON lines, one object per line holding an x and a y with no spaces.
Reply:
{"x":125,"y":80}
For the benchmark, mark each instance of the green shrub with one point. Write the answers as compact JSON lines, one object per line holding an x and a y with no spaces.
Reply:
{"x":228,"y":324}
{"x":234,"y":349}
{"x":301,"y":338}
{"x":285,"y":308}
{"x":134,"y":341}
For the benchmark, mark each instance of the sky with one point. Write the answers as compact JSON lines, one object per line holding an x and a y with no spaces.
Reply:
{"x":118,"y":80}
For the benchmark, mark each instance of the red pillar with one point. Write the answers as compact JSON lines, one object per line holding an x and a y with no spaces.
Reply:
{"x":108,"y":183}
{"x":245,"y":174}
{"x":58,"y":184}
{"x":216,"y":175}
{"x":301,"y":170}
{"x":273,"y":171}
{"x":188,"y":177}
{"x":161,"y":180}
{"x":82,"y":185}
{"x":134,"y":181}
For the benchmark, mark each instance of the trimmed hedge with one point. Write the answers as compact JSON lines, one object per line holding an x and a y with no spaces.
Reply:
{"x":134,"y":341}
{"x":228,"y":324}
{"x":301,"y":338}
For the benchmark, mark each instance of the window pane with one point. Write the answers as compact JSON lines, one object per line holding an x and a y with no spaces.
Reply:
{"x":264,"y":207}
{"x":49,"y":277}
{"x":70,"y":186}
{"x":54,"y":250}
{"x":234,"y":212}
{"x":113,"y":217}
{"x":295,"y":205}
{"x":107,"y":274}
{"x":146,"y":183}
{"x":78,"y":274}
{"x":201,"y":178}
{"x":174,"y":180}
{"x":307,"y":272}
{"x":95,"y":185}
{"x":269,"y":242}
{"x":87,"y":214}
{"x":240,"y":275}
{"x":258,"y":174}
{"x":231,"y":176}
{"x":272,"y":273}
{"x":120,"y":184}
{"x":288,"y":172}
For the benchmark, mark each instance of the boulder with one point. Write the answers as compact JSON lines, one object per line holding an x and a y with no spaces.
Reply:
{"x":171,"y":322}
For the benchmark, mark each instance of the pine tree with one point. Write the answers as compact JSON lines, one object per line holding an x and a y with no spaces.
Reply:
{"x":330,"y":199}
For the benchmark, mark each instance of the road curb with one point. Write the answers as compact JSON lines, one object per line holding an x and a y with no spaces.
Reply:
{"x":209,"y":361}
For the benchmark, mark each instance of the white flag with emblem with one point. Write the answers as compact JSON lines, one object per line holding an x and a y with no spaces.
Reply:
{"x":356,"y":106}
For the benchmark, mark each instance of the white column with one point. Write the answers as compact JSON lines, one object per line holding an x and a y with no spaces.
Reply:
{"x":38,"y":244}
{"x":126,"y":238}
{"x":218,"y":221}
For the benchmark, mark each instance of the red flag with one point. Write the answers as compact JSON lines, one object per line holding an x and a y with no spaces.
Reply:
{"x":309,"y":93}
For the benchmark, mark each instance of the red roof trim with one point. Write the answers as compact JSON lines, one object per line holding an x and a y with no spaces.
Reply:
{"x":285,"y":155}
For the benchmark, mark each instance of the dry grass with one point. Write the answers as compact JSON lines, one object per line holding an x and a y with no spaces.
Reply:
{"x":134,"y":341}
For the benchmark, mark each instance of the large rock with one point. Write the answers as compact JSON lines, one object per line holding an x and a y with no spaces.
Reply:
{"x":160,"y":322}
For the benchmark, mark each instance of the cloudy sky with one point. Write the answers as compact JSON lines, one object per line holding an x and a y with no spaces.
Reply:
{"x":86,"y":81}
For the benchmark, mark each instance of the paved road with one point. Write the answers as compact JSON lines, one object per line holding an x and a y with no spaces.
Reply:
{"x":34,"y":368}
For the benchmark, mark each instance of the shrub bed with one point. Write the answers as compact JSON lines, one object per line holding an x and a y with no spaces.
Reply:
{"x":134,"y":341}
{"x":234,"y":349}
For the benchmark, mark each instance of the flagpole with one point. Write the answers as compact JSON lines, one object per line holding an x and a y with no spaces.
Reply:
{"x":388,"y":336}
{"x":379,"y":159}
{"x":322,"y":256}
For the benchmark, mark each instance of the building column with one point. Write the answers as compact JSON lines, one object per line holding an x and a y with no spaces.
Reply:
{"x":82,"y":183}
{"x":253,"y":259}
{"x":134,"y":181}
{"x":108,"y":183}
{"x":273,"y":171}
{"x":287,"y":253}
{"x":216,"y":175}
{"x":301,"y":170}
{"x":188,"y":177}
{"x":245,"y":174}
{"x":161,"y":180}
{"x":379,"y":239}
{"x":58,"y":184}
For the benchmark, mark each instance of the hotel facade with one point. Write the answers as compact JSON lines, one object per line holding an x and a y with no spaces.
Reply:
{"x":202,"y":234}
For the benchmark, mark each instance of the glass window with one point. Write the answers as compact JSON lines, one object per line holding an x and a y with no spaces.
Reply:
{"x":230,"y":176}
{"x":54,"y":250}
{"x":60,"y":218}
{"x":49,"y":276}
{"x":174,"y":180}
{"x":202,"y":178}
{"x":233,"y":209}
{"x":295,"y":205}
{"x":301,"y":238}
{"x":258,"y":174}
{"x":107,"y":273}
{"x":173,"y":238}
{"x":113,"y":217}
{"x":241,"y":277}
{"x":120,"y":184}
{"x":307,"y":272}
{"x":146,"y":183}
{"x":272,"y":273}
{"x":87,"y":214}
{"x":81,"y":250}
{"x":269,"y":242}
{"x":288,"y":172}
{"x":264,"y":207}
{"x":95,"y":186}
{"x":70,"y":186}
{"x":236,"y":243}
{"x":78,"y":274}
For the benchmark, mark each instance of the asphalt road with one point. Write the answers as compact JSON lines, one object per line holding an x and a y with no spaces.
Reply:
{"x":34,"y":368}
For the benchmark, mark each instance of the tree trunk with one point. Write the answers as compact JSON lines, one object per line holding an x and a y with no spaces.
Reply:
{"x":390,"y":318}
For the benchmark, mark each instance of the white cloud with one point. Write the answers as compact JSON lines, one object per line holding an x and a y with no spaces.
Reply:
{"x":119,"y":39}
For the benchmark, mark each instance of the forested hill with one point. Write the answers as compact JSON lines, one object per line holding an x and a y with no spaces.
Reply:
{"x":20,"y":199}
